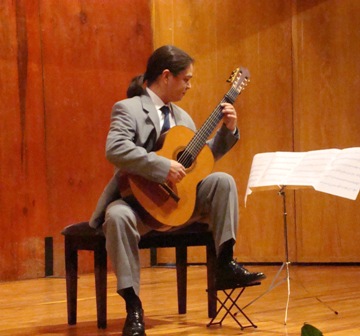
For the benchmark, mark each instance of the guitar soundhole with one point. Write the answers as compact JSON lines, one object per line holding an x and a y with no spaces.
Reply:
{"x":185,"y":158}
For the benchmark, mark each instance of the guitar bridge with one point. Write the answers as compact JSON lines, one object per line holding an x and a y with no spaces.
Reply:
{"x":170,"y":192}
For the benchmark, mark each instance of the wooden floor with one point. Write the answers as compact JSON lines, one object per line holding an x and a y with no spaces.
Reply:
{"x":38,"y":307}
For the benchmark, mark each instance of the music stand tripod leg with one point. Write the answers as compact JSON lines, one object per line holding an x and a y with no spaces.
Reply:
{"x":285,"y":264}
{"x":282,"y":193}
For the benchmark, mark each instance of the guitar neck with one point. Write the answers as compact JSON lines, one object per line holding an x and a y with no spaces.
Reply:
{"x":199,"y":140}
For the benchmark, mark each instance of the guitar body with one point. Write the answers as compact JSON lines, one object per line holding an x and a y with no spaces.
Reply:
{"x":158,"y":208}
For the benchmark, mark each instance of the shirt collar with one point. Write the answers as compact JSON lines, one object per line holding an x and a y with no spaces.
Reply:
{"x":155,"y":99}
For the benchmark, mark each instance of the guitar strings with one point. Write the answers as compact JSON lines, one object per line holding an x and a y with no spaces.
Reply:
{"x":195,"y":145}
{"x":198,"y":141}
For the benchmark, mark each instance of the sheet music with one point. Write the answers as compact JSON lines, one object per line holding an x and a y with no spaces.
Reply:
{"x":333,"y":171}
{"x":259,"y":165}
{"x":268,"y":170}
{"x":280,"y":166}
{"x":343,"y":179}
{"x":311,"y":167}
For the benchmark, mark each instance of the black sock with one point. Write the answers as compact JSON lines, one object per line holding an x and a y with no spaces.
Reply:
{"x":226,"y":252}
{"x":131,"y":299}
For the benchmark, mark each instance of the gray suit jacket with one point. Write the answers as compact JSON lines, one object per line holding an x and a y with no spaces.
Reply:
{"x":134,"y":131}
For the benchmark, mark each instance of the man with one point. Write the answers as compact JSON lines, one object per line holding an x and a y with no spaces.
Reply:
{"x":136,"y":125}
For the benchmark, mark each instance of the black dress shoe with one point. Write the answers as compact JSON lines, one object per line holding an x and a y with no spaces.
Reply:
{"x":134,"y":323}
{"x":232,"y":275}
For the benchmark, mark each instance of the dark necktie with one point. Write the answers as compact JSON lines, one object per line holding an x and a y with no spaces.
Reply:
{"x":166,"y":111}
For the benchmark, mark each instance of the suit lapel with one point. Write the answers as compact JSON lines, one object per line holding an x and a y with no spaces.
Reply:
{"x":149,"y":108}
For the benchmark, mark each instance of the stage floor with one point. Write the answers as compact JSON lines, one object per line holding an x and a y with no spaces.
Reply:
{"x":328,"y":297}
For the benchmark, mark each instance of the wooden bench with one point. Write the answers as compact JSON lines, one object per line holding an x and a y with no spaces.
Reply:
{"x":80,"y":236}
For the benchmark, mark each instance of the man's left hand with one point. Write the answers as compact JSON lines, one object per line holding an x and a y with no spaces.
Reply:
{"x":229,"y":116}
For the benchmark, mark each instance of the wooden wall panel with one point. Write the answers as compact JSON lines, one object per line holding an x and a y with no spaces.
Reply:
{"x":302,"y":56}
{"x":23,"y":196}
{"x":62,"y":66}
{"x":91,"y":51}
{"x":221,"y":36}
{"x":326,"y":109}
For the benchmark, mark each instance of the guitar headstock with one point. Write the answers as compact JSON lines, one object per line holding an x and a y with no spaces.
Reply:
{"x":239,"y":78}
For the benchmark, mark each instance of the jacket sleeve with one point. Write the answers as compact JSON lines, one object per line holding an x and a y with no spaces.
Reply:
{"x":223,"y":141}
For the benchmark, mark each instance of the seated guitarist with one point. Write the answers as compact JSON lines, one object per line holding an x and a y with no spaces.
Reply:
{"x":136,"y":125}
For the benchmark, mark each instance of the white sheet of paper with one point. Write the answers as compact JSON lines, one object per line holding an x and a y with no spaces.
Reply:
{"x":343,"y":176}
{"x":258,"y":167}
{"x":280,"y":166}
{"x":311,"y":167}
{"x":333,"y":171}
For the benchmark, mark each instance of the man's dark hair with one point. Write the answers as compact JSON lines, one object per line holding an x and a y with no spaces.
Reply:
{"x":166,"y":57}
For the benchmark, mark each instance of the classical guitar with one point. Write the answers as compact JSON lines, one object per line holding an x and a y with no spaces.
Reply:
{"x":164,"y":205}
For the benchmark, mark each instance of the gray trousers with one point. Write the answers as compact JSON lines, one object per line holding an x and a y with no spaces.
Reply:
{"x":216,"y":202}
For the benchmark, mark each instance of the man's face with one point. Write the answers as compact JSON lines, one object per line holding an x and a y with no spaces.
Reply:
{"x":178,"y":85}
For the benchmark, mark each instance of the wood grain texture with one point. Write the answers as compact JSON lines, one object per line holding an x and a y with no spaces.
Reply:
{"x":255,"y":35}
{"x":302,"y":96}
{"x":23,"y":192}
{"x":91,"y":51}
{"x":326,"y":115}
{"x":63,"y":65}
{"x":315,"y":294}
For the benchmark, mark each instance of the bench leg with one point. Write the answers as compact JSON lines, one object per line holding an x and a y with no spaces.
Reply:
{"x":211,"y":271}
{"x":100,"y":262}
{"x":181,"y":275}
{"x":71,"y":268}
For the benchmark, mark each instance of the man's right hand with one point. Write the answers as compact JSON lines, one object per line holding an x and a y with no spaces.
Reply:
{"x":176,"y":173}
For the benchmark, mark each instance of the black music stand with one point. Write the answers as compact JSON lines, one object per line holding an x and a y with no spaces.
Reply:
{"x":314,"y":169}
{"x":276,"y":281}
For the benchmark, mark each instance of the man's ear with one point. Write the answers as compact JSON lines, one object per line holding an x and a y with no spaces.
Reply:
{"x":165,"y":75}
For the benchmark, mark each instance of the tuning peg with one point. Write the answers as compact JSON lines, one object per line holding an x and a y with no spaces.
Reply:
{"x":246,"y":81}
{"x":233,"y":75}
